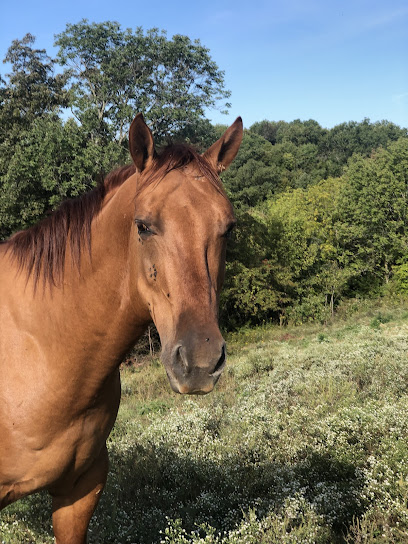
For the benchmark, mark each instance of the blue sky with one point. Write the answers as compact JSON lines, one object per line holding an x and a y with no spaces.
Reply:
{"x":332,"y":61}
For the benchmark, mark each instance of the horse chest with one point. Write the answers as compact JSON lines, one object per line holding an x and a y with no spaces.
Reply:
{"x":54,"y":454}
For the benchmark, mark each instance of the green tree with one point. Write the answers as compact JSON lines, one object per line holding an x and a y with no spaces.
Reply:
{"x":306,"y":153}
{"x":252,"y":177}
{"x":32,"y":88}
{"x":30,"y":91}
{"x":270,"y":130}
{"x":51,"y":161}
{"x":298,"y":164}
{"x":302,"y":229}
{"x":343,"y":140}
{"x":116,"y":73}
{"x":201,"y":135}
{"x":297,"y":132}
{"x":373,"y":212}
{"x":256,"y":287}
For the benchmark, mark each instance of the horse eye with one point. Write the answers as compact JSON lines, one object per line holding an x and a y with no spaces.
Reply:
{"x":143,"y":229}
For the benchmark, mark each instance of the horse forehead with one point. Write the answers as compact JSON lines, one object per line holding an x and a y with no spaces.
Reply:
{"x":187,"y":189}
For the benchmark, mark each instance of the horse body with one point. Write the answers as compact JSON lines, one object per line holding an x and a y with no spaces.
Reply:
{"x":157,"y":253}
{"x":58,"y":365}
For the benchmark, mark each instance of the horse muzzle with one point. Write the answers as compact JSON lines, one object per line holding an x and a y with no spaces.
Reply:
{"x":194,"y":370}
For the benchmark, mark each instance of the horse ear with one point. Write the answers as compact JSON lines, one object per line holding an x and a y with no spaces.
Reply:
{"x":223,"y":152}
{"x":141,"y":144}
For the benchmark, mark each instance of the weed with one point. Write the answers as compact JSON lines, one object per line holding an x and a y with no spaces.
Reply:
{"x":380,"y":319}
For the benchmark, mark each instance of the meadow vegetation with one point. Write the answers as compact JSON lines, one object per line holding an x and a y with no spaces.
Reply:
{"x":304,"y":440}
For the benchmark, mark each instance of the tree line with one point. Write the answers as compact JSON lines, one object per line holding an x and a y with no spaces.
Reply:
{"x":322,"y":213}
{"x":315,"y":230}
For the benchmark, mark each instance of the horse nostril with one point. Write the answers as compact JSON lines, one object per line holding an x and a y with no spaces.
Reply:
{"x":179,"y":356}
{"x":221,"y":362}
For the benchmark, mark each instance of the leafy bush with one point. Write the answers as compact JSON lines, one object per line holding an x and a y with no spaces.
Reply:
{"x":401,"y":278}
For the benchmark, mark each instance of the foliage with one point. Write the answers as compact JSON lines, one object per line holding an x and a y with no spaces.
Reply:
{"x":374,"y":212}
{"x":345,"y":139}
{"x":286,"y":260}
{"x":254,"y":287}
{"x":117,"y":73}
{"x":32,"y":89}
{"x":252,"y":177}
{"x":52,"y":161}
{"x":400,"y":272}
{"x":297,"y":132}
{"x":308,"y":153}
{"x":309,"y":247}
{"x":302,"y":224}
{"x":112,"y":74}
{"x":31,"y":92}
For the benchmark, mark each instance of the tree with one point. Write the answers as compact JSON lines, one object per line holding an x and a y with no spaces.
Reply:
{"x":116,"y":73}
{"x":201,"y":135}
{"x":32,"y":88}
{"x":302,"y":227}
{"x":270,"y":130}
{"x":343,"y":140}
{"x":256,"y":287}
{"x":252,"y":177}
{"x":30,"y":91}
{"x":297,"y":132}
{"x":373,"y":210}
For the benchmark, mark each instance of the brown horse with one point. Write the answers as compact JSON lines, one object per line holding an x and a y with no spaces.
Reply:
{"x":76,"y":292}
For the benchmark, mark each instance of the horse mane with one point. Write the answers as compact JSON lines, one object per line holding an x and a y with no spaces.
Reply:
{"x":40,"y":250}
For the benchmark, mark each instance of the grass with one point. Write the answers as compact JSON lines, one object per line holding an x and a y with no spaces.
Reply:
{"x":304,"y":440}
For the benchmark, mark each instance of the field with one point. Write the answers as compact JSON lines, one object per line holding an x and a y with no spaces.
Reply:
{"x":304,"y":440}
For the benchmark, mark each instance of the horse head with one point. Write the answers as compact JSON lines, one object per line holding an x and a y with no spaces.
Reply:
{"x":181,"y":224}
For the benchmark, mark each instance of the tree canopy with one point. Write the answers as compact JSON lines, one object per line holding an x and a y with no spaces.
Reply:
{"x":116,"y":73}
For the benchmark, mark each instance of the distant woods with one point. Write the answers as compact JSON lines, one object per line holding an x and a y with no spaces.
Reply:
{"x":322,"y":213}
{"x":322,"y":216}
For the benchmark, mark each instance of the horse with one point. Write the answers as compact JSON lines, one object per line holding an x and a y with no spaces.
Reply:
{"x":76,"y":292}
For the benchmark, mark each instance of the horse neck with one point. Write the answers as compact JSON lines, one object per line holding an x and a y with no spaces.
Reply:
{"x":96,"y":300}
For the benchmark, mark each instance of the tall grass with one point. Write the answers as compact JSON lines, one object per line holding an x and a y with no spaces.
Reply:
{"x":304,"y":440}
